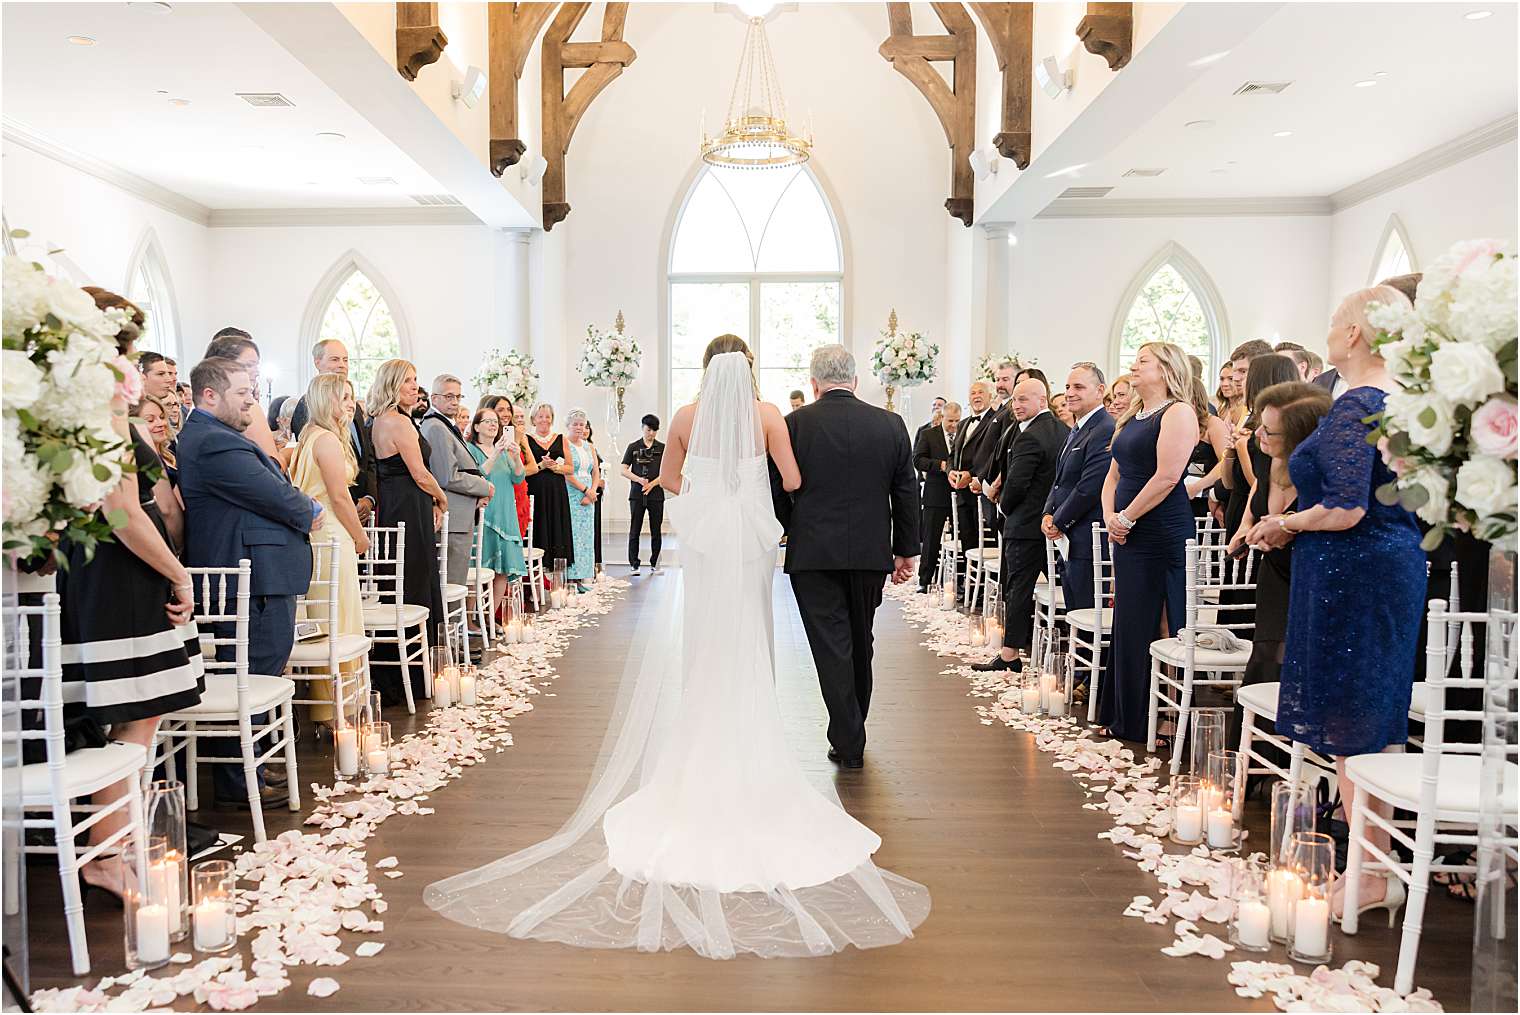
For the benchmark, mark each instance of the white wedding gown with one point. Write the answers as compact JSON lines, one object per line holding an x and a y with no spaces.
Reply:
{"x":699,"y":828}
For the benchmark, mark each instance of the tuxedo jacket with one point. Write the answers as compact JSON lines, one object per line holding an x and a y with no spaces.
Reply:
{"x":858,"y":506}
{"x":993,"y":448}
{"x":1327,"y":379}
{"x":969,"y":442}
{"x":1076,"y":498}
{"x":1028,"y":474}
{"x":931,"y":454}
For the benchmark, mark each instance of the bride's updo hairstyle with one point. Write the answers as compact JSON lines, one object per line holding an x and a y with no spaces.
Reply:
{"x":731,"y":343}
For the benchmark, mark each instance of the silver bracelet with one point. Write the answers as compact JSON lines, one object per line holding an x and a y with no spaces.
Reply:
{"x":1125,"y":519}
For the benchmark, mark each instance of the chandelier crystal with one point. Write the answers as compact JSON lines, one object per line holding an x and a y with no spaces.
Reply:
{"x":755,"y":135}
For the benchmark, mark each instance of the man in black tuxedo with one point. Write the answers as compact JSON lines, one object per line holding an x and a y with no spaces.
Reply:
{"x":1001,"y":428}
{"x":1027,"y":477}
{"x":854,"y":522}
{"x":1075,"y":501}
{"x":966,"y":449}
{"x":931,"y":457}
{"x":331,"y":357}
{"x":936,"y":417}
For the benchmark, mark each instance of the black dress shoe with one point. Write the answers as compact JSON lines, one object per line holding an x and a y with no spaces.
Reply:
{"x":998,"y":663}
{"x":835,"y":757}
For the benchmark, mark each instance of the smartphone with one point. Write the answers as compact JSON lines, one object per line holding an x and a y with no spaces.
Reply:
{"x":509,"y":435}
{"x":1240,"y":551}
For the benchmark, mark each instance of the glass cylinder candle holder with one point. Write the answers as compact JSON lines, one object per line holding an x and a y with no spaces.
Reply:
{"x":974,"y":634}
{"x":1050,"y":685}
{"x":468,"y":676}
{"x":1060,"y":703}
{"x":994,"y":624}
{"x":1251,"y":924}
{"x":512,"y":615}
{"x":1314,"y":865}
{"x":1292,"y":812}
{"x":348,"y":721}
{"x":1029,"y":692}
{"x":947,"y":595}
{"x":164,"y":819}
{"x":370,"y":711}
{"x":375,"y":742}
{"x":214,"y":914}
{"x":1206,"y":734}
{"x":146,"y":905}
{"x":1187,"y":810}
{"x":529,"y":630}
{"x":1225,"y":790}
{"x":445,"y":676}
{"x":557,"y":580}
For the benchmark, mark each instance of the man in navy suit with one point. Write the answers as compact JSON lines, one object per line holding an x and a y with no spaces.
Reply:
{"x":239,"y":504}
{"x":1075,"y":501}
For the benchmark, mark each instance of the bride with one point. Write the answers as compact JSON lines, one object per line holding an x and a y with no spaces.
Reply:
{"x":699,"y":829}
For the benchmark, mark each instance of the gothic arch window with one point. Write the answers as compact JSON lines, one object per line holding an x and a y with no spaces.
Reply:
{"x":148,"y":286}
{"x":1394,"y":255}
{"x":356,"y":306}
{"x":1173,"y":300}
{"x":756,"y":253}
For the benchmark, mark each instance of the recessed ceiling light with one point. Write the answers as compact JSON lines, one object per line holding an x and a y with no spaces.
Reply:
{"x":81,"y":40}
{"x":1366,"y":83}
{"x":330,"y":135}
{"x":1069,"y":170}
{"x":1199,"y":124}
{"x":1478,"y":15}
{"x":1282,"y":133}
{"x":179,"y":102}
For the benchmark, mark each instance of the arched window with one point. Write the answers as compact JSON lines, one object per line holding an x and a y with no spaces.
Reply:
{"x":148,"y":286}
{"x":354,"y":305}
{"x":1394,"y":256}
{"x":755,"y":253}
{"x":1171,"y":300}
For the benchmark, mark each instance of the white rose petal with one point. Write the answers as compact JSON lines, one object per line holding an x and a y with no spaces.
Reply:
{"x":1465,"y":373}
{"x":1487,"y":485}
{"x":21,"y":383}
{"x":1405,"y":409}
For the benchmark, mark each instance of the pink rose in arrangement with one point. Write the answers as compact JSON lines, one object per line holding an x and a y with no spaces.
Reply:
{"x":130,"y":386}
{"x":1496,"y":428}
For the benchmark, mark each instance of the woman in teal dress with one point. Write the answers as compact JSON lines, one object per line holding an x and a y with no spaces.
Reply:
{"x":581,"y":487}
{"x":501,"y":547}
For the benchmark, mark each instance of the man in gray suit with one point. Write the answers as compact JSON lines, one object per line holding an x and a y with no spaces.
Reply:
{"x":450,"y":463}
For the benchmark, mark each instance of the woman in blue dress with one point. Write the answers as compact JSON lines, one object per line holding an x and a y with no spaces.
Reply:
{"x":500,"y":461}
{"x":1149,"y":521}
{"x":1358,"y":580}
{"x":581,"y":487}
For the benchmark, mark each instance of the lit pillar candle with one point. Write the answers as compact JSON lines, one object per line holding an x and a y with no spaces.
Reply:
{"x":169,"y":870}
{"x":1283,"y":888}
{"x":1221,"y":828}
{"x":443,"y":687}
{"x":152,"y":933}
{"x":378,"y":761}
{"x":1189,"y":822}
{"x":371,"y":743}
{"x":947,"y":600}
{"x":1047,"y":688}
{"x":513,"y":633}
{"x":1057,"y":703}
{"x":467,"y":689}
{"x":1252,"y":919}
{"x":213,"y":924}
{"x":347,"y":740}
{"x":1031,"y":700}
{"x":1311,"y":926}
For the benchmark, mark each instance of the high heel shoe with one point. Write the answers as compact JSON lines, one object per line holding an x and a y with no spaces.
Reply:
{"x":1392,"y":900}
{"x":89,"y":888}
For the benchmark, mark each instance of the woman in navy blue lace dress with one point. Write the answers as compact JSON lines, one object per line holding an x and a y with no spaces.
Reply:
{"x":1358,"y":574}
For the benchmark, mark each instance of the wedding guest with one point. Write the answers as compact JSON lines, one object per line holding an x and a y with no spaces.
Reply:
{"x":641,"y":467}
{"x":131,"y":650}
{"x":601,"y":491}
{"x":407,"y":493}
{"x":153,"y":421}
{"x":1358,"y":576}
{"x":1244,"y":460}
{"x":174,"y":415}
{"x":452,"y":465}
{"x":1119,"y":396}
{"x":1146,"y":512}
{"x":936,"y":416}
{"x":969,"y":439}
{"x":581,"y":482}
{"x":507,"y":415}
{"x":1030,"y":472}
{"x":500,"y":460}
{"x":236,"y":344}
{"x":931,"y":457}
{"x":998,"y":429}
{"x":796,"y":399}
{"x":330,"y":356}
{"x":462,"y":419}
{"x":551,"y":501}
{"x":1204,"y":465}
{"x":284,"y":439}
{"x":1300,"y":357}
{"x":1075,"y":502}
{"x":186,"y":403}
{"x":1227,"y":398}
{"x":323,"y":467}
{"x":238,"y":504}
{"x":157,"y":374}
{"x":520,"y":418}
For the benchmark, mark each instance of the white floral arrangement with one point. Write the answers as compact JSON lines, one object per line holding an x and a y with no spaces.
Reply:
{"x":508,"y":372}
{"x":986,"y":367}
{"x":60,"y":453}
{"x":1450,"y":435}
{"x":609,"y":359}
{"x":904,"y":359}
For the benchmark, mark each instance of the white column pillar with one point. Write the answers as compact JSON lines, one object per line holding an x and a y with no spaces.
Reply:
{"x":513,"y":303}
{"x":999,"y":315}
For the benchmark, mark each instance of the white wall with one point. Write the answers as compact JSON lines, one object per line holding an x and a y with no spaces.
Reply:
{"x":1474,"y":198}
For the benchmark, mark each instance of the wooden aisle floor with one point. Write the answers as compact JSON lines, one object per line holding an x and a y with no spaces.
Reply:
{"x":1026,"y":900}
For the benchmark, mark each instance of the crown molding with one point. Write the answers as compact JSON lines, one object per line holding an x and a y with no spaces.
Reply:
{"x":1442,"y":156}
{"x":232,"y":218}
{"x":1104,"y":208}
{"x":19,"y":133}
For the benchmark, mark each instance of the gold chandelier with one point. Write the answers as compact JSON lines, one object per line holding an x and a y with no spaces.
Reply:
{"x":754,"y":134}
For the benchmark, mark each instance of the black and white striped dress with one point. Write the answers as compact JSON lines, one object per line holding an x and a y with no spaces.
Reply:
{"x":122,"y":658}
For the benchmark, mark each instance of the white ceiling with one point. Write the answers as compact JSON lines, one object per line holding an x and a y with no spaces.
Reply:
{"x":1443,"y":76}
{"x":110,"y":101}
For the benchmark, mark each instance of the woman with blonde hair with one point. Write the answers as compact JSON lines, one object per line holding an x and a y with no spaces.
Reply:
{"x":407,"y":493}
{"x":1116,"y":402}
{"x":152,"y":418}
{"x":1149,"y":521}
{"x":322,"y":466}
{"x":548,"y":488}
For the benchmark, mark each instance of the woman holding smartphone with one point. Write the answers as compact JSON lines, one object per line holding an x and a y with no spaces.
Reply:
{"x":497,"y":453}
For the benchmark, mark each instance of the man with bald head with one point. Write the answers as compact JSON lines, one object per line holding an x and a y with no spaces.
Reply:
{"x":1028,"y":473}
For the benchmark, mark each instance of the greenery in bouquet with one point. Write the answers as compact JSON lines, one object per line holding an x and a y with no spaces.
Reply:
{"x":508,"y":372}
{"x":609,"y":359}
{"x":904,"y":358}
{"x":1450,"y":434}
{"x":61,"y":455}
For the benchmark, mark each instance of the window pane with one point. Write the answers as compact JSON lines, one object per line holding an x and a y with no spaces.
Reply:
{"x":796,"y":318}
{"x":141,"y":293}
{"x":1395,"y":260}
{"x":755,"y":194}
{"x":1167,"y":310}
{"x":359,"y":318}
{"x":699,"y":313}
{"x":684,"y":385}
{"x":776,"y":385}
{"x":800,"y":236}
{"x":710,"y":237}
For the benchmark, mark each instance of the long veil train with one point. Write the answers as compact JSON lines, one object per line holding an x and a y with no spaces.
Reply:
{"x":698,"y":828}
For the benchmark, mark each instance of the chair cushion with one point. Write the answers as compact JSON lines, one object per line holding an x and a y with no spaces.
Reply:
{"x":219,"y":700}
{"x":1259,"y":699}
{"x":1419,"y":696}
{"x":1170,"y":650}
{"x":385,"y":615}
{"x":987,"y":553}
{"x":314,"y":652}
{"x":479,"y":576}
{"x":454,"y":593}
{"x":84,"y":771}
{"x":1084,"y":620}
{"x":1396,"y":778}
{"x":1042,"y":594}
{"x":533,"y":554}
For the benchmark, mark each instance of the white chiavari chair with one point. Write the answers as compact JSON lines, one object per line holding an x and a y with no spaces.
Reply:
{"x":984,"y":563}
{"x":481,"y":584}
{"x":1049,"y":604}
{"x":388,"y":618}
{"x":1090,"y":630}
{"x":533,"y":558}
{"x":455,"y":597}
{"x":1453,"y":632}
{"x":321,"y":658}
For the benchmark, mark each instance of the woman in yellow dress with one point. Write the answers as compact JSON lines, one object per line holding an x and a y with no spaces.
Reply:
{"x":323,"y":467}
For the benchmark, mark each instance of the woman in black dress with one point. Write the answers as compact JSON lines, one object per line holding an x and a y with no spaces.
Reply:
{"x":551,"y":502}
{"x":407,"y":493}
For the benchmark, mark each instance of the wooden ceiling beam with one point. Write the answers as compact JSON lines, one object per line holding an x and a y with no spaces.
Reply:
{"x":512,"y":28}
{"x":1108,"y":31}
{"x":419,"y":40}
{"x":1010,"y":27}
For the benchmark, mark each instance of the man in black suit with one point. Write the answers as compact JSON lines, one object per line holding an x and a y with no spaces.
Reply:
{"x":931,"y":457}
{"x":855,"y":521}
{"x":331,"y":357}
{"x":1027,"y":478}
{"x":1075,"y":501}
{"x":967,"y":448}
{"x":936,"y":417}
